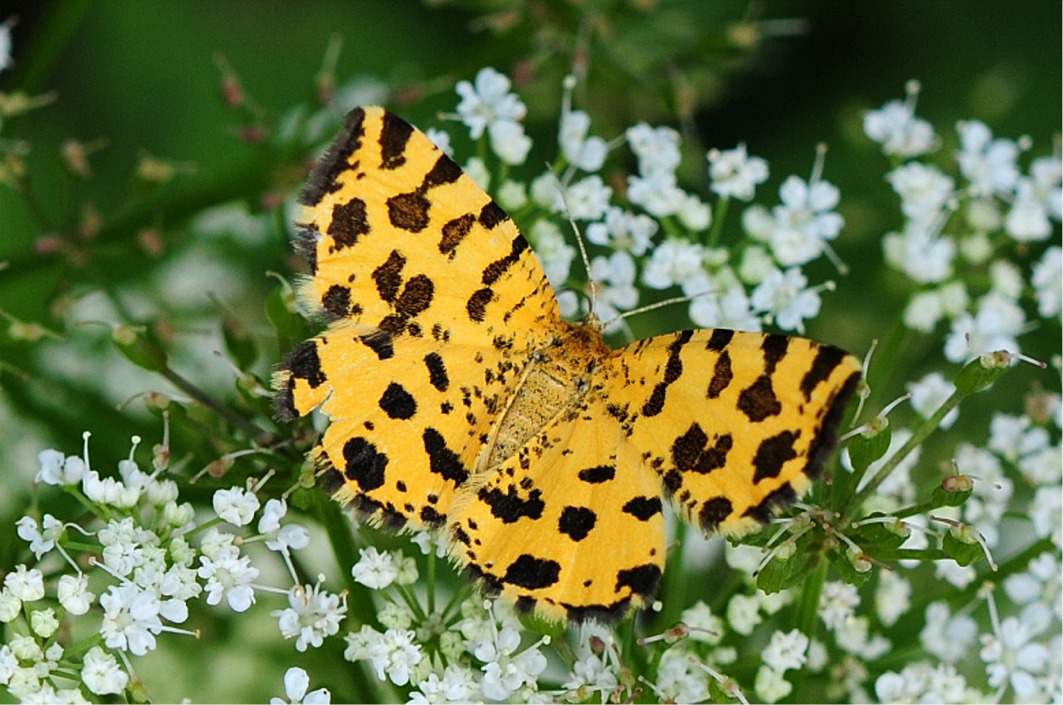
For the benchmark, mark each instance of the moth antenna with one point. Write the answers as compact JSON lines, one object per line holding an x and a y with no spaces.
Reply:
{"x":579,"y":239}
{"x":658,"y":304}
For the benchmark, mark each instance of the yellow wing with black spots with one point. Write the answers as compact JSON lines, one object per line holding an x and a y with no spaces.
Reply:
{"x":734,"y":424}
{"x":571,"y":525}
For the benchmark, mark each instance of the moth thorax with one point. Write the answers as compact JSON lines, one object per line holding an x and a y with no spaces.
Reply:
{"x":554,"y":383}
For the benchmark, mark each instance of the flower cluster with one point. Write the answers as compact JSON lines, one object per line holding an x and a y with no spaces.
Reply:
{"x":152,"y":556}
{"x":752,"y":282}
{"x":962,"y":218}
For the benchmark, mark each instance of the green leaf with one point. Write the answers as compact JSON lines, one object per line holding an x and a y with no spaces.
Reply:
{"x":780,"y":573}
{"x":864,"y":449}
{"x":961,"y":550}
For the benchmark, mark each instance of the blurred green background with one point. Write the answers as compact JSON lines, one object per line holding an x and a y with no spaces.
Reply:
{"x":143,"y":76}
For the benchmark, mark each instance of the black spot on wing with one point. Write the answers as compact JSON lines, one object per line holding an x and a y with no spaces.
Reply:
{"x":496,"y":269}
{"x":491,"y":215}
{"x":349,"y":222}
{"x":643,"y":508}
{"x":477,"y":304}
{"x":397,"y":403}
{"x":365,"y":465}
{"x":692,"y":452}
{"x":597,"y":474}
{"x":441,"y":459}
{"x":304,"y":363}
{"x":394,"y":136}
{"x":576,"y":522}
{"x":778,"y":498}
{"x":437,"y":371}
{"x":509,"y":506}
{"x":673,"y":368}
{"x":772,"y":454}
{"x":758,"y":401}
{"x":774,"y":347}
{"x":337,"y":301}
{"x":713,"y":513}
{"x":827,"y":438}
{"x":531,"y":572}
{"x":388,"y":276}
{"x":719,"y":339}
{"x":641,"y":579}
{"x":380,"y":342}
{"x":322,"y":178}
{"x":454,"y":232}
{"x":444,"y":171}
{"x":409,"y":211}
{"x":416,"y":296}
{"x":828,"y":357}
{"x":431,"y":517}
{"x":721,"y":376}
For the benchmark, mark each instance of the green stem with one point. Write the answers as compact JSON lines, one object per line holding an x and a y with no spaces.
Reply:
{"x":807,"y":615}
{"x":210,"y":402}
{"x":920,"y":435}
{"x":717,"y":222}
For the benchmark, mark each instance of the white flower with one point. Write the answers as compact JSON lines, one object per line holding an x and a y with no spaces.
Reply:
{"x":456,"y":686}
{"x":786,"y":650}
{"x":923,"y":189}
{"x":770,"y":685}
{"x":837,"y":603}
{"x":946,"y":636}
{"x":657,"y":193}
{"x":375,"y":569}
{"x":131,"y":618}
{"x":289,"y":536}
{"x":924,"y":256}
{"x":392,"y":655}
{"x":487,"y":102}
{"x":995,"y":326}
{"x":735,"y":174}
{"x":228,"y":575}
{"x":235,"y":505}
{"x":107,"y":490}
{"x":25,"y":584}
{"x":40,"y":541}
{"x":673,"y":262}
{"x":899,"y":131}
{"x":720,"y":301}
{"x":73,"y":593}
{"x":508,"y":141}
{"x":59,"y":470}
{"x":922,"y":683}
{"x":554,"y":252}
{"x":743,"y":614}
{"x":615,"y":291}
{"x":296,"y":682}
{"x":988,"y":164}
{"x":892,"y":597}
{"x":694,"y":213}
{"x":1039,"y":585}
{"x":704,"y":625}
{"x":1027,"y":221}
{"x":1046,"y":513}
{"x":588,"y":198}
{"x":804,"y":219}
{"x":312,"y":614}
{"x":623,"y":231}
{"x":505,"y":673}
{"x":101,"y":673}
{"x":1047,"y":282}
{"x":854,"y":636}
{"x":5,"y":46}
{"x":783,"y":296}
{"x":1047,"y":175}
{"x":1012,"y":657}
{"x":657,"y":148}
{"x":929,"y":393}
{"x":583,"y":152}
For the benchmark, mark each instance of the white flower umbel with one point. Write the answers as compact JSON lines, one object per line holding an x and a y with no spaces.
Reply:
{"x":988,"y":164}
{"x":783,"y":296}
{"x":948,"y":637}
{"x":488,"y":105}
{"x":236,"y":505}
{"x":929,"y":393}
{"x":898,"y":130}
{"x":786,"y":650}
{"x":393,"y":654}
{"x":228,"y":575}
